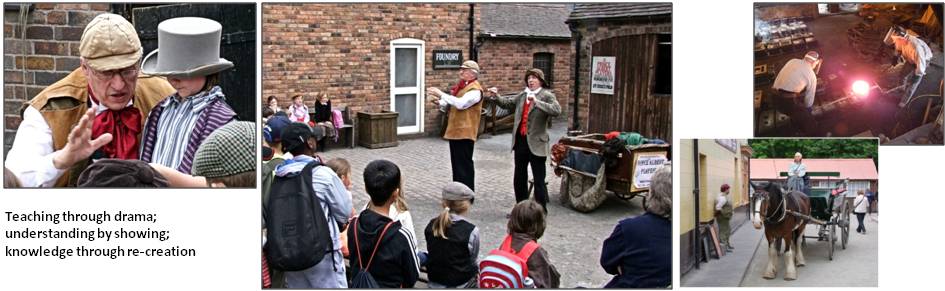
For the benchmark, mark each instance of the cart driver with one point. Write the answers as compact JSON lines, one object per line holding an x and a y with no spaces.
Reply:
{"x":796,"y":173}
{"x":795,"y":86}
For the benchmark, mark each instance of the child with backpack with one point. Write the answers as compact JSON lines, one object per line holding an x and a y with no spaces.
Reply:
{"x":502,"y":268}
{"x":382,"y":252}
{"x":303,"y":181}
{"x":452,"y":241}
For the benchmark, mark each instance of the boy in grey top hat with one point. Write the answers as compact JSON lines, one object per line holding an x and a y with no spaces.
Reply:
{"x":188,"y":55}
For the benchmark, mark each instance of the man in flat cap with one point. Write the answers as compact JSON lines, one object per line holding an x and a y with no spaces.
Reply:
{"x":96,"y":111}
{"x":462,"y":125}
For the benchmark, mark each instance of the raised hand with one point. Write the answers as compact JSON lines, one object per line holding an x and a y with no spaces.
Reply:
{"x":80,"y":145}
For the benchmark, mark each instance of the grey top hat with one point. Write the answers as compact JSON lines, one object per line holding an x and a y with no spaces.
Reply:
{"x":190,"y":47}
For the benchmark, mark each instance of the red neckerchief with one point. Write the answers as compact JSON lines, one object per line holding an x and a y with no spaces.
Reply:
{"x":523,"y":129}
{"x":459,"y":86}
{"x":124,"y":125}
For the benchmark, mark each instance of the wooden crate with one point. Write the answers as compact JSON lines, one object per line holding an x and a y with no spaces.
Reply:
{"x":377,"y":129}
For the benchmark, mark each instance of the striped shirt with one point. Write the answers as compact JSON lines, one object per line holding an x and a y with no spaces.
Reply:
{"x":176,"y":128}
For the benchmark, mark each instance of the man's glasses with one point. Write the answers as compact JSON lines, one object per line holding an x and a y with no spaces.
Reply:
{"x":127,"y":74}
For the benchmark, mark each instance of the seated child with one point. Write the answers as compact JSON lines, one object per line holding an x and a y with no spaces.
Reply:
{"x":394,"y":264}
{"x":453,"y":241}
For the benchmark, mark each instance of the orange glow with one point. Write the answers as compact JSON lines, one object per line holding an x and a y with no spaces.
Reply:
{"x":861,"y":88}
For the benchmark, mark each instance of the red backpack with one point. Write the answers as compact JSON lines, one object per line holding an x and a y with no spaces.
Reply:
{"x":504,"y":268}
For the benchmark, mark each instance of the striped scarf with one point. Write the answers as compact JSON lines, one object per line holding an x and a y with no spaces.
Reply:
{"x":176,"y":128}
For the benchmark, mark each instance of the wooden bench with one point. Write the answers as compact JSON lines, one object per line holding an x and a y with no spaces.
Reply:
{"x":347,"y":128}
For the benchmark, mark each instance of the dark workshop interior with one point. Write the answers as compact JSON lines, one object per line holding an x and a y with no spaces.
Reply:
{"x":850,"y":41}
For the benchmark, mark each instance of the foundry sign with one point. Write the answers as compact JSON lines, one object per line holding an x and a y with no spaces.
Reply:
{"x":447,"y":59}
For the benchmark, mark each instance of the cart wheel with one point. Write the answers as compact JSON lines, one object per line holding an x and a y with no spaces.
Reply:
{"x":844,"y":225}
{"x":832,"y":240}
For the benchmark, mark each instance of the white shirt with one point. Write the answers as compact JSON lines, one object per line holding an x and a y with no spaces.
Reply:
{"x":31,"y":157}
{"x":861,"y":204}
{"x":797,"y":75}
{"x":469,"y":99}
{"x":720,"y":201}
{"x":915,"y":51}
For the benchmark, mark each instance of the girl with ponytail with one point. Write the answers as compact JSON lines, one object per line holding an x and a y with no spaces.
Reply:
{"x":453,"y":241}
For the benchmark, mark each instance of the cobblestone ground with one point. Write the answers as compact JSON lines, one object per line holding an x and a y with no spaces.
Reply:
{"x":573,"y":239}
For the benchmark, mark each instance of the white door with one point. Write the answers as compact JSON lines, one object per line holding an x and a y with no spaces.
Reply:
{"x":406,"y":84}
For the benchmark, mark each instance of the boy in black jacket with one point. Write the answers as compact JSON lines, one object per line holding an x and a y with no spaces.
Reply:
{"x":395,"y":264}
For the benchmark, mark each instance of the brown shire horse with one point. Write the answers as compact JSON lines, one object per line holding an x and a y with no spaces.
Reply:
{"x":771,"y":207}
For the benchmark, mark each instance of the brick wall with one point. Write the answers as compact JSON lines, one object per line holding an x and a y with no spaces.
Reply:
{"x":344,"y":50}
{"x":46,"y":52}
{"x":593,"y":31}
{"x":504,"y":62}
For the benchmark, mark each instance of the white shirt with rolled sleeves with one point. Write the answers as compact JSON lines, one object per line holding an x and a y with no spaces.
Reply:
{"x":31,"y":157}
{"x":720,"y":201}
{"x":467,"y":100}
{"x":915,"y":51}
{"x":797,"y":75}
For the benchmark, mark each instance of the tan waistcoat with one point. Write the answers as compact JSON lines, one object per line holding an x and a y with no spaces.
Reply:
{"x":464,"y":124}
{"x":63,"y":103}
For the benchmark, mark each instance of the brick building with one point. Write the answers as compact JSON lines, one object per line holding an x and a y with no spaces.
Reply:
{"x":639,"y":36}
{"x":514,"y":37}
{"x":377,"y":57}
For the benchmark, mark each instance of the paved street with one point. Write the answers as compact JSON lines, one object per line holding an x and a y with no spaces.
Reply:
{"x":573,"y":239}
{"x":856,"y":266}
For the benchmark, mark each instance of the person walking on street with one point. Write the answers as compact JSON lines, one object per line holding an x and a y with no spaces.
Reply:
{"x":534,"y":107}
{"x":860,"y":207}
{"x":723,"y":215}
{"x":464,"y":107}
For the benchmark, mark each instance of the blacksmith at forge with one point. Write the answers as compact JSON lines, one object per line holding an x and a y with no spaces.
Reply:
{"x":796,"y":85}
{"x":462,"y":128}
{"x":914,"y":53}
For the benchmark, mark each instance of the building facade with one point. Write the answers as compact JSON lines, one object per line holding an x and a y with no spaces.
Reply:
{"x":381,"y":57}
{"x":860,"y":174}
{"x":639,"y":37}
{"x":705,"y":165}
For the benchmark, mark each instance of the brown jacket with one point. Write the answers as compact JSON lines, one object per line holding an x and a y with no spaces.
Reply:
{"x":63,"y":103}
{"x":464,"y":124}
{"x":540,"y":268}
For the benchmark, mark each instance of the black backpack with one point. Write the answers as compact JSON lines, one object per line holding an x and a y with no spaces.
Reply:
{"x":363,"y":279}
{"x":298,"y":235}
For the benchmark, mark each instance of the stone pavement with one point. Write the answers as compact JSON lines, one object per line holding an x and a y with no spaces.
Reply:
{"x":572,"y":239}
{"x":730,"y":269}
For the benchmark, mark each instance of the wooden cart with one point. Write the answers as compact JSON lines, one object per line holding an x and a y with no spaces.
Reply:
{"x":625,"y":179}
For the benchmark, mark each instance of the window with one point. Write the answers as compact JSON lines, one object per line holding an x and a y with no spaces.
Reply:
{"x":546,"y":63}
{"x":664,"y":65}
